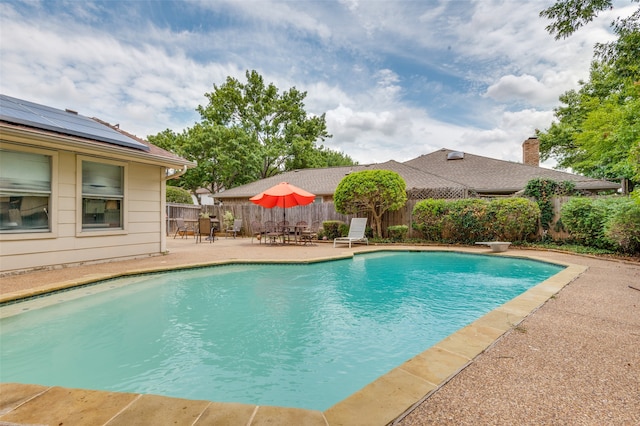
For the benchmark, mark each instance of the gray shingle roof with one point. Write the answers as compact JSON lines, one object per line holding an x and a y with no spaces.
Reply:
{"x":488,"y":175}
{"x":432,"y":171}
{"x":324,"y":181}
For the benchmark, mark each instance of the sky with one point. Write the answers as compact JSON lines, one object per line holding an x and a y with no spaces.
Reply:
{"x":395,"y":78}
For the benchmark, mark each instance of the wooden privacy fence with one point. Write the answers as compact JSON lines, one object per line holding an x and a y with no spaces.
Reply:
{"x":189,"y":212}
{"x":315,"y":212}
{"x":250,"y":212}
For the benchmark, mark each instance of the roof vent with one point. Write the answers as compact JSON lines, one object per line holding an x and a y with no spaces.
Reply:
{"x":70,"y":111}
{"x":455,"y":155}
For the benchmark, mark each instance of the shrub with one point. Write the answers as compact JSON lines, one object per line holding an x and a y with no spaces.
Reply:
{"x":471,"y":220}
{"x":368,"y":232}
{"x":332,"y":228}
{"x":513,"y":219}
{"x":178,"y":195}
{"x":428,"y":216}
{"x":585,"y":219}
{"x":623,"y":228}
{"x":227,"y":219}
{"x":466,"y":221}
{"x":397,"y":232}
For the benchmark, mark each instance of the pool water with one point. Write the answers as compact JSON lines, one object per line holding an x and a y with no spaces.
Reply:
{"x":304,"y":335}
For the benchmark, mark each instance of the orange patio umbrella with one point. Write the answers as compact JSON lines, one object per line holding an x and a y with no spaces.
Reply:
{"x":283,"y":195}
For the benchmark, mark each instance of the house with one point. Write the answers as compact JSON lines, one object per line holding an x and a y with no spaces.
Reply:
{"x":323,"y":183}
{"x":203,"y":197}
{"x":488,"y":177}
{"x":74,"y":189}
{"x":444,"y":173}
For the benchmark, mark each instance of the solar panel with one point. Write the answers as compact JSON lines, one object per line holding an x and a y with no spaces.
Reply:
{"x":18,"y":111}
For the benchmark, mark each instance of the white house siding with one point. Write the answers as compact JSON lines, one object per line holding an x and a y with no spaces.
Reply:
{"x":144,"y":222}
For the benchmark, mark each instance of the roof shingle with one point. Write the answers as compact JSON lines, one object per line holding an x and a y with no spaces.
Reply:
{"x":324,"y":181}
{"x":489,"y":175}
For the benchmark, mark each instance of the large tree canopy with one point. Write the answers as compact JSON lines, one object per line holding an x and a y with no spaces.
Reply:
{"x":598,"y":128}
{"x":373,"y":191}
{"x":276,"y":122}
{"x":597,"y":132}
{"x":248,"y":132}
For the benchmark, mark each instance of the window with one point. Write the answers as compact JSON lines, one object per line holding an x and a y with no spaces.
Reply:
{"x":25,"y":192}
{"x":102,"y":195}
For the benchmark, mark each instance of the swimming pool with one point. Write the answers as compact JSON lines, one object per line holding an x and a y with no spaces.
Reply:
{"x":293,"y":335}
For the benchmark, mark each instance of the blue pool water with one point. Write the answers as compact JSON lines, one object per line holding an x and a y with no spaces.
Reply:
{"x":290,"y":335}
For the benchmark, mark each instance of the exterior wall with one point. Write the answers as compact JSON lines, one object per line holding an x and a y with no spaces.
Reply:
{"x":142,"y":234}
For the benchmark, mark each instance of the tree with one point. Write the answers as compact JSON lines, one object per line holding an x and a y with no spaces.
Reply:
{"x":374,"y":191}
{"x":225,"y":157}
{"x":306,"y":156}
{"x":598,"y":128}
{"x":597,"y":132}
{"x":277,"y":124}
{"x":570,"y":15}
{"x":248,"y":132}
{"x":178,"y":195}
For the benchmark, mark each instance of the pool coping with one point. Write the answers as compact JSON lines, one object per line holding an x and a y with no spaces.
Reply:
{"x":382,"y":401}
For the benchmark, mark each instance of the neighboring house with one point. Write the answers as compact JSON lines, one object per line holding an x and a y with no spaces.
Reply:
{"x":488,"y":177}
{"x":75,"y":190}
{"x":204,"y":197}
{"x":441,"y":174}
{"x":323,"y":183}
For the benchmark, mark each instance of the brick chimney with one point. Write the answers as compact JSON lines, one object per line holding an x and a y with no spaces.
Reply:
{"x":531,"y":151}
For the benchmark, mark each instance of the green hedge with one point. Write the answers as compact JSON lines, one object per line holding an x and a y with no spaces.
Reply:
{"x":607,"y":223}
{"x":397,"y":233}
{"x":466,"y":221}
{"x":513,"y":219}
{"x":427,"y":215}
{"x":623,"y":228}
{"x":332,"y":229}
{"x":470,"y":220}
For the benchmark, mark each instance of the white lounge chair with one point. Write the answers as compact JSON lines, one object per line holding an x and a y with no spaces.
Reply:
{"x":356,"y":232}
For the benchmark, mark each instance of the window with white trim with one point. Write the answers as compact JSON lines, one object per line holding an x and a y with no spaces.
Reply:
{"x":25,"y":192}
{"x":102,"y":195}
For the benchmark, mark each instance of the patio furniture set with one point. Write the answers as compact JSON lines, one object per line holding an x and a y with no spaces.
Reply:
{"x":272,"y":232}
{"x":284,"y":233}
{"x":205,"y":226}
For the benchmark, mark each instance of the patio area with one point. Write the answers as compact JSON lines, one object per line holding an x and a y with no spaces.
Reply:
{"x":573,"y":359}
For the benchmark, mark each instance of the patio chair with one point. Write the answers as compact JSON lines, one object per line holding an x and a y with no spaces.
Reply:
{"x":310,"y":234}
{"x":257,"y":232}
{"x":183,"y":228}
{"x":205,"y":227}
{"x":237,"y":224}
{"x":272,"y":232}
{"x":285,"y":229}
{"x":356,"y":232}
{"x":298,"y":229}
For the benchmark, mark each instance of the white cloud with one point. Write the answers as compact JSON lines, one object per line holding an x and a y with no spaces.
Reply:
{"x":524,"y":88}
{"x":382,"y":71}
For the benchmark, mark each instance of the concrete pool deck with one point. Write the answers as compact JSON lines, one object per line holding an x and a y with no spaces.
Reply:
{"x":564,"y":352}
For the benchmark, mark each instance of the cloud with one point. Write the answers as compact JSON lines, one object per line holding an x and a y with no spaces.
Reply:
{"x":527,"y":89}
{"x":396,"y":79}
